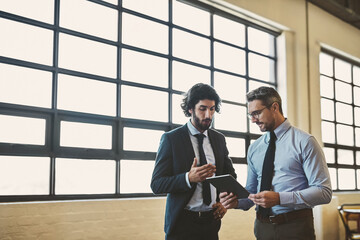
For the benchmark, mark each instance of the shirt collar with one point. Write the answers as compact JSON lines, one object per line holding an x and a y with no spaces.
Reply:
{"x":193,"y":131}
{"x":280,"y":130}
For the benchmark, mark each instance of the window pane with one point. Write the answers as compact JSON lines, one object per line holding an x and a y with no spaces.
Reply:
{"x":232,"y":118}
{"x":241,"y":171}
{"x":184,"y":15}
{"x":358,"y":159}
{"x":357,"y":137}
{"x":103,"y":25}
{"x":345,"y":135}
{"x":345,"y":156}
{"x":254,"y":84}
{"x":357,"y":116}
{"x":229,"y":31}
{"x":157,"y":9}
{"x":261,"y":41}
{"x":191,"y":47}
{"x":24,"y":175}
{"x":136,"y":139}
{"x":144,"y":33}
{"x":26,"y":42}
{"x":328,"y":132}
{"x":356,"y":77}
{"x":346,"y":179}
{"x":230,"y":87}
{"x":357,"y":96}
{"x":261,"y":68}
{"x":344,"y":113}
{"x":86,"y":95}
{"x":22,"y":130}
{"x":152,"y":106}
{"x":329,"y":154}
{"x":342,"y":70}
{"x":144,"y":68}
{"x":84,"y":55}
{"x":79,"y":176}
{"x":326,"y":87}
{"x":178,"y":116}
{"x":41,"y":10}
{"x":326,"y":64}
{"x":327,"y":109}
{"x":25,"y":86}
{"x":343,"y":92}
{"x":85,"y":135}
{"x":333,"y":178}
{"x":236,"y":146}
{"x":129,"y":182}
{"x":229,"y":58}
{"x":185,"y":76}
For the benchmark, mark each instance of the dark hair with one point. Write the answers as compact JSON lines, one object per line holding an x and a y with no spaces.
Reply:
{"x":199,"y":91}
{"x":267,"y":95}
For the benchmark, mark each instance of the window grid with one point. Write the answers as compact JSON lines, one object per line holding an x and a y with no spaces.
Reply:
{"x":340,"y":181}
{"x":55,"y":116}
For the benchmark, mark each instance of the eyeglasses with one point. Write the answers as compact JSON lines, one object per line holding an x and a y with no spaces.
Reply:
{"x":256,"y":114}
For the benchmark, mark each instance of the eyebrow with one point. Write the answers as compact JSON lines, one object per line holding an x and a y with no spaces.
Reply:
{"x":206,"y":106}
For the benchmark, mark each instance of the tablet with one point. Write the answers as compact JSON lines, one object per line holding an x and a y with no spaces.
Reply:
{"x":227,"y":183}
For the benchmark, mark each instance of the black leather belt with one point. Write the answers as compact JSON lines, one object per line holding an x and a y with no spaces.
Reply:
{"x":201,"y":215}
{"x":285,"y":217}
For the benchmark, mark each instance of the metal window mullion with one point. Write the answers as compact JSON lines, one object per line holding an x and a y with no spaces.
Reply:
{"x":54,"y":133}
{"x":119,"y":136}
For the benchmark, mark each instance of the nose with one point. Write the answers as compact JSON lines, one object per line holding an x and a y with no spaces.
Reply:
{"x":253,"y":119}
{"x":207,"y":113}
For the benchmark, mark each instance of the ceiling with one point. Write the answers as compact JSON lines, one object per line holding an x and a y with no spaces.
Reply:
{"x":346,"y":10}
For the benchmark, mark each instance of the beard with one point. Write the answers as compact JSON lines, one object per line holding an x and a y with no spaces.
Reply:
{"x":202,"y":125}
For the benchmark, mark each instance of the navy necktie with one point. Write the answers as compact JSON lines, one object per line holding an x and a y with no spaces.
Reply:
{"x":205,"y":185}
{"x":268,"y":171}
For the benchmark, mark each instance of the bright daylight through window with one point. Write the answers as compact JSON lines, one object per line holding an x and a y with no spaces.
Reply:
{"x":340,"y":113}
{"x":84,"y":100}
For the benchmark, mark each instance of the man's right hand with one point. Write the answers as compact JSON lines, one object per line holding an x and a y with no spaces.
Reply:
{"x":228,"y":200}
{"x":199,"y":174}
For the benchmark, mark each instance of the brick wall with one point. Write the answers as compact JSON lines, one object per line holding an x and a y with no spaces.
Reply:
{"x":103,"y":219}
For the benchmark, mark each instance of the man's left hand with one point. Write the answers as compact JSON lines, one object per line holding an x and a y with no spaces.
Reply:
{"x":265,"y":199}
{"x":219,"y":211}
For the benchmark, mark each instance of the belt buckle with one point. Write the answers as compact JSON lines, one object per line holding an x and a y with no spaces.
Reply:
{"x":271,"y":218}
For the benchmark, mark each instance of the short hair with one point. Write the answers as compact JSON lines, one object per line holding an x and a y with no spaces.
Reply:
{"x":267,"y":95}
{"x":199,"y":91}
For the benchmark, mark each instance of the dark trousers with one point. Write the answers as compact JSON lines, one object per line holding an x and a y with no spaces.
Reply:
{"x":191,"y":227}
{"x":298,"y":229}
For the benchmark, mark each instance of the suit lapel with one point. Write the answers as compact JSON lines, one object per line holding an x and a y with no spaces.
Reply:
{"x":188,"y":148}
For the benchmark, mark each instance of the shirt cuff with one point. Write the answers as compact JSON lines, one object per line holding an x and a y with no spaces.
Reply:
{"x":286,"y":198}
{"x":187,"y":179}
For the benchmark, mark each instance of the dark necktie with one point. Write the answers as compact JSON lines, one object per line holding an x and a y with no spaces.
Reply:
{"x":268,"y":171}
{"x":205,"y":185}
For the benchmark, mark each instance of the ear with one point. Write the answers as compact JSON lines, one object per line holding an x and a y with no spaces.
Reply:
{"x":276,"y":106}
{"x":191,"y":111}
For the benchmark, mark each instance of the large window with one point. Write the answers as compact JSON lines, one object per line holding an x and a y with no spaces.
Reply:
{"x":88,"y":87}
{"x":340,"y":113}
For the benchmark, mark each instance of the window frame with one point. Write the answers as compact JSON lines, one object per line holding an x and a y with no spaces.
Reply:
{"x":54,"y":116}
{"x":335,"y":145}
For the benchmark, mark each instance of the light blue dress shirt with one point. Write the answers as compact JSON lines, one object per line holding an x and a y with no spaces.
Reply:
{"x":301,"y":176}
{"x":196,"y":201}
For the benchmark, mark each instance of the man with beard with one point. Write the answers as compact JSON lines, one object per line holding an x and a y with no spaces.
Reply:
{"x":287,"y":173}
{"x":186,"y":157}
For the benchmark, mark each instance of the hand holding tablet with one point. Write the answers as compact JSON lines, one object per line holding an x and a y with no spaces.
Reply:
{"x":227,"y":183}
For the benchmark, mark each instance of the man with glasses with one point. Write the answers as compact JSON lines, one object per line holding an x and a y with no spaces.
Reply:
{"x":287,"y":173}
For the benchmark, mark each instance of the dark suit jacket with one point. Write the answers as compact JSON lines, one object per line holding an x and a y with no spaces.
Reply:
{"x":174,"y":158}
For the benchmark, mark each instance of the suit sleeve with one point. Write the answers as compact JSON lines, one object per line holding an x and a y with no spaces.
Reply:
{"x":164,"y":180}
{"x":228,"y":164}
